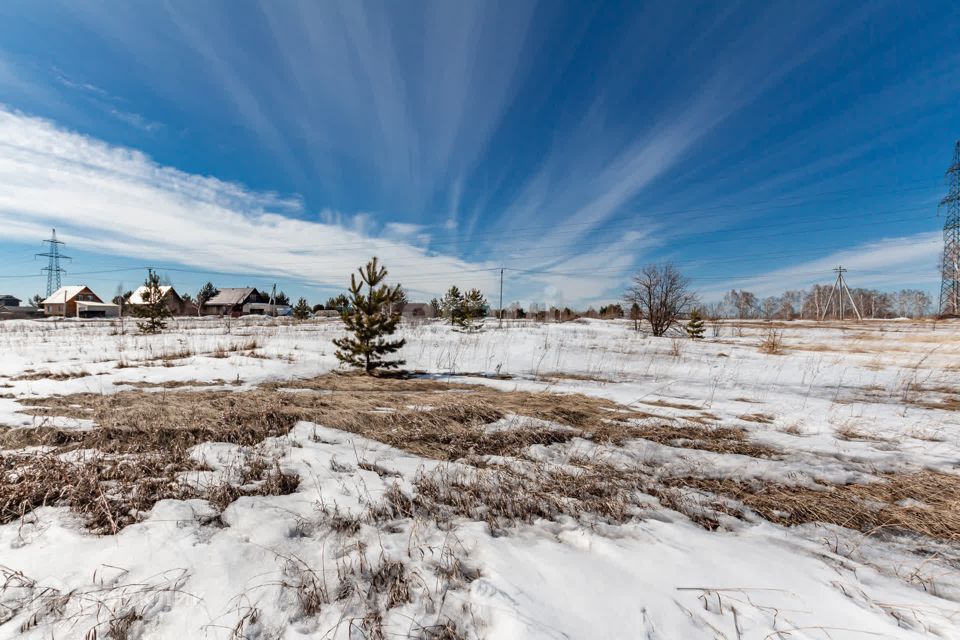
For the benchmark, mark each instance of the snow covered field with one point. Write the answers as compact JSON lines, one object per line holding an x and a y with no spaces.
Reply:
{"x":705,"y":489}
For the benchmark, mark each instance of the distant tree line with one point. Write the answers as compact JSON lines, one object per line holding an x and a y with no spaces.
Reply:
{"x":814,"y":303}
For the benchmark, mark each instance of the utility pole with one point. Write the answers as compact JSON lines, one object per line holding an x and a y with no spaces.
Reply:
{"x":950,"y":268}
{"x":53,"y":263}
{"x":273,"y":300}
{"x":501,"y":297}
{"x":840,"y":287}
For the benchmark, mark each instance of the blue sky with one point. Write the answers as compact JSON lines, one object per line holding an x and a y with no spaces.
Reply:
{"x":754,"y":144}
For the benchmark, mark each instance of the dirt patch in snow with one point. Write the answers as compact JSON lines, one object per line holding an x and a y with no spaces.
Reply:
{"x":925,"y":503}
{"x":452,"y":428}
{"x":142,"y":440}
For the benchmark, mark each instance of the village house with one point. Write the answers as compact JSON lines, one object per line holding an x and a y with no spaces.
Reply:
{"x":11,"y":309}
{"x":168,"y":294}
{"x":231,"y":302}
{"x":78,"y":301}
{"x":417,"y":311}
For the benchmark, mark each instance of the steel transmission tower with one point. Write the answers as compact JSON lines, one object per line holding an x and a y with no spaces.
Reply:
{"x":53,"y":268}
{"x":950,"y":285}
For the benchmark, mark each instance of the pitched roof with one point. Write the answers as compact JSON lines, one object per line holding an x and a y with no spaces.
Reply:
{"x":137,"y":297}
{"x":63,"y":294}
{"x":230,"y":297}
{"x":7,"y":296}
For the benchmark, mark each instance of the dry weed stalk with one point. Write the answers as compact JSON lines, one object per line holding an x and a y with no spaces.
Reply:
{"x":772,"y":342}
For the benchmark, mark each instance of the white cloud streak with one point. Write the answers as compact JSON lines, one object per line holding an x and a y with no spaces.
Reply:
{"x":112,"y":200}
{"x":889,"y":262}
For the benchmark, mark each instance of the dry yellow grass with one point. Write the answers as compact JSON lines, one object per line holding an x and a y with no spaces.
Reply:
{"x":425,"y":417}
{"x":925,"y":503}
{"x":142,"y":439}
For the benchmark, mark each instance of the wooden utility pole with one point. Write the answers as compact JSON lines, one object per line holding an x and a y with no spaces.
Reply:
{"x":840,"y":287}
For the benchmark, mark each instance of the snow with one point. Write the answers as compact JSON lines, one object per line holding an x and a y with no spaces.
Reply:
{"x":190,"y":572}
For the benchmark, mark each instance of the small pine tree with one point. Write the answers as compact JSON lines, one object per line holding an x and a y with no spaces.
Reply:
{"x":339,"y":303}
{"x":474,"y":309}
{"x":695,"y":325}
{"x":452,"y":307}
{"x":401,"y":301}
{"x":370,"y":319}
{"x":153,"y":311}
{"x":301,"y":311}
{"x":635,"y":315}
{"x":437,"y":308}
{"x":282,"y":299}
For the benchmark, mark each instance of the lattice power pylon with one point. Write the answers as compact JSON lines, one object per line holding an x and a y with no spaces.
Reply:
{"x":950,"y":284}
{"x":53,"y":268}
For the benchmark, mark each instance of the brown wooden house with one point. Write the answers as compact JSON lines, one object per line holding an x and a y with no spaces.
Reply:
{"x":78,"y":301}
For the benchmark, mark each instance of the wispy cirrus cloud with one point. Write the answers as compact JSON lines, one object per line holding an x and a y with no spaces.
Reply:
{"x":895,"y":261}
{"x":113,"y":200}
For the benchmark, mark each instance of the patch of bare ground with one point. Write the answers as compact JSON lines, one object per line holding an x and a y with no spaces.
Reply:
{"x":58,"y":376}
{"x":139,"y":453}
{"x":112,"y":492}
{"x":142,"y":439}
{"x":760,"y":418}
{"x":925,"y":503}
{"x":576,"y":377}
{"x":426,"y":417}
{"x":937,"y":397}
{"x":172,"y":384}
{"x":503,"y":495}
{"x":670,"y":405}
{"x":852,"y":433}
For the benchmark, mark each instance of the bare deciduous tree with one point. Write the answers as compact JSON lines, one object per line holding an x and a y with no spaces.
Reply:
{"x":663,"y":294}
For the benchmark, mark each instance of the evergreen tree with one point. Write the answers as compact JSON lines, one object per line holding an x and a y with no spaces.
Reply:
{"x":635,"y":315}
{"x":339,"y":303}
{"x":301,"y":311}
{"x":207,"y":292}
{"x":452,"y":306}
{"x":401,"y":302}
{"x":282,"y":299}
{"x":153,"y":311}
{"x":474,"y":309}
{"x":437,"y":308}
{"x":370,"y":319}
{"x":695,"y":325}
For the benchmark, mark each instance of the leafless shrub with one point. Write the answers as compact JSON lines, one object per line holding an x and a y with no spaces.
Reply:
{"x":772,"y":342}
{"x":760,"y":418}
{"x":342,"y":522}
{"x":676,"y":348}
{"x":793,"y":429}
{"x":308,"y":585}
{"x":852,"y":432}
